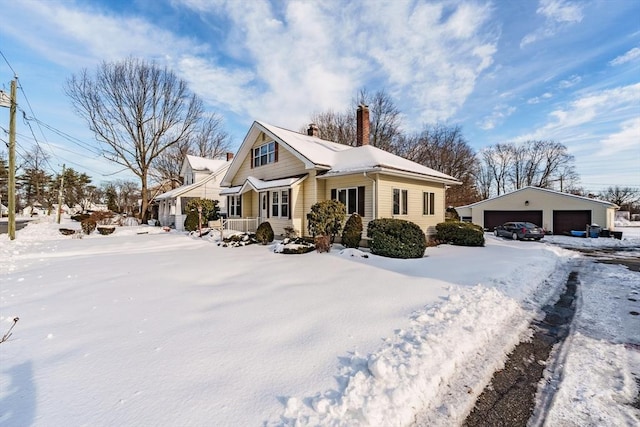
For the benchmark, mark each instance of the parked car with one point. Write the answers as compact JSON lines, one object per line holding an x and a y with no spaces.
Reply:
{"x":519,"y":231}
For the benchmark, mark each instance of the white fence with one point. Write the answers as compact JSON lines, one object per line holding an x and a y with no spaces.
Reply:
{"x":244,"y":225}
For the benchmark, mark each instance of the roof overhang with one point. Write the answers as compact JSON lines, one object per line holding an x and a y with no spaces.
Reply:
{"x":390,"y":171}
{"x":258,"y":185}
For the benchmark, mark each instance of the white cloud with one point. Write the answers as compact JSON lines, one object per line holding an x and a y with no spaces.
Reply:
{"x":558,"y":14}
{"x":79,"y":37}
{"x":539,"y":99}
{"x":497,"y":117}
{"x":631,"y":55}
{"x":592,"y":115}
{"x":571,"y":81}
{"x":627,"y":138}
{"x":306,"y":57}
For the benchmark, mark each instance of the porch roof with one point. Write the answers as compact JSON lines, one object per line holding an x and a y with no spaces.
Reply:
{"x":256,"y":184}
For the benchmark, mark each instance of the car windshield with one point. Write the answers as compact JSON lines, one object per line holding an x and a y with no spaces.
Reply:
{"x":530,"y":225}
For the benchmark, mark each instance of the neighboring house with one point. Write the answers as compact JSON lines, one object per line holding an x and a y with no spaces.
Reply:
{"x":278,"y":174}
{"x":202,"y":178}
{"x":35,"y":209}
{"x":554,"y":211}
{"x":4,"y":211}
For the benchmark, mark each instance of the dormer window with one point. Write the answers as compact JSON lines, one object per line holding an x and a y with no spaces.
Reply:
{"x":264,"y":154}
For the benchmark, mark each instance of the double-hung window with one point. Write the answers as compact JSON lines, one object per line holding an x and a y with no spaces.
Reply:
{"x":264,"y":154}
{"x":280,"y":204}
{"x":352,"y":198}
{"x":428,"y":203}
{"x":235,"y":205}
{"x":400,"y":201}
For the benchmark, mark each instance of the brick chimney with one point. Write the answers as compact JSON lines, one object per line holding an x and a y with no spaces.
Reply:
{"x":313,"y":130}
{"x":362,"y":125}
{"x":229,"y":156}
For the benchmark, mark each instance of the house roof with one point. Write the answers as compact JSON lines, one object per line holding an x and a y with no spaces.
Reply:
{"x":253,"y":183}
{"x":542,"y":190}
{"x":336,"y":159}
{"x":204,"y":164}
{"x":219,"y":166}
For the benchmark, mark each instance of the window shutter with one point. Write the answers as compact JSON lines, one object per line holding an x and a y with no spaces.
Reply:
{"x":268,"y":205}
{"x":275,"y":152}
{"x":361,"y":201}
{"x":334,"y":194}
{"x":290,"y":204}
{"x":253,"y":153}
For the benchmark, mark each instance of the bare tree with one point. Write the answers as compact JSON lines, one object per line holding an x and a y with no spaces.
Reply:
{"x":511,"y":166}
{"x":625,"y":197}
{"x":384,"y":120}
{"x":384,"y":117}
{"x":443,"y":148}
{"x":208,"y":140}
{"x":336,"y":127}
{"x":136,"y":110}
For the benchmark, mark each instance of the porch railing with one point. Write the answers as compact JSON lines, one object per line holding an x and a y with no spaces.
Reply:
{"x":244,"y":225}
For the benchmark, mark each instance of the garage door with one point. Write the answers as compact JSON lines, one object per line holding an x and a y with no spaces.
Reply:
{"x":565,"y":221}
{"x":495,"y":218}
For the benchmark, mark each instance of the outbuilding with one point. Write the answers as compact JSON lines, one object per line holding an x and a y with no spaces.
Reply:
{"x":554,"y":211}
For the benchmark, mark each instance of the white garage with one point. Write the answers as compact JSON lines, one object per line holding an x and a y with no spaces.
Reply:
{"x":554,"y":211}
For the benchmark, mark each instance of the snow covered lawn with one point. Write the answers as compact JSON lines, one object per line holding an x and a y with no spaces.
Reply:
{"x":166,"y":329}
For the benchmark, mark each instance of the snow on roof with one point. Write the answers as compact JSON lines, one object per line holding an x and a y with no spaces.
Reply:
{"x":179,"y":190}
{"x":368,"y":157}
{"x":204,"y":164}
{"x":343,"y":159}
{"x":319,"y":151}
{"x":261,"y":185}
{"x":559,"y":193}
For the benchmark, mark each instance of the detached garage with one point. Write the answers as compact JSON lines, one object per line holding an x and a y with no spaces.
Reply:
{"x":554,"y":211}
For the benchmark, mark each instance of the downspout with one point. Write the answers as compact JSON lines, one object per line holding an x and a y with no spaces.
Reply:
{"x":375,"y":195}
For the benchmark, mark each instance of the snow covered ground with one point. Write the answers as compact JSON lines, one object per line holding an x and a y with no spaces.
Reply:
{"x":145,"y":327}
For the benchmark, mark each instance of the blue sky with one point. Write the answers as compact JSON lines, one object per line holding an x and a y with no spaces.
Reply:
{"x":506,"y":71}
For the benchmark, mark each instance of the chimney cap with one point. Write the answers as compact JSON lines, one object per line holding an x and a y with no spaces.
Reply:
{"x":313,"y":130}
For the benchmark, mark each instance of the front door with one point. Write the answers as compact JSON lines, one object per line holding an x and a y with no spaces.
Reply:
{"x":264,"y":206}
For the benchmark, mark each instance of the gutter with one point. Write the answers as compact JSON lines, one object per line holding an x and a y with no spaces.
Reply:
{"x":375,"y":193}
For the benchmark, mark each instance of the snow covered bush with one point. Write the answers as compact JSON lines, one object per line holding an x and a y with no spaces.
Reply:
{"x":325,"y":218}
{"x":396,"y":238}
{"x":264,"y":233}
{"x":352,"y":233}
{"x":460,"y":233}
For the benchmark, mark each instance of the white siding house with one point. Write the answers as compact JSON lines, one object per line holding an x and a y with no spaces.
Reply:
{"x":202,"y":178}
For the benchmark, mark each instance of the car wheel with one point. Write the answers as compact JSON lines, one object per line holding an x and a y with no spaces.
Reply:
{"x":514,"y":236}
{"x":496,"y":233}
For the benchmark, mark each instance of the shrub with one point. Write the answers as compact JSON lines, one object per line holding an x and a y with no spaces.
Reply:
{"x":88,"y":225}
{"x":80,"y":217}
{"x":396,"y":238}
{"x":451,"y":214}
{"x":210,"y":209}
{"x":352,"y":233}
{"x":460,"y":233}
{"x":102,"y":217}
{"x":191,"y":221}
{"x":290,"y":233}
{"x":322,"y":243}
{"x":264,"y":233}
{"x":326,"y":218}
{"x":105,"y":231}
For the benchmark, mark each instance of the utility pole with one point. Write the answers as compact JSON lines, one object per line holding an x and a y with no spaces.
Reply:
{"x":12,"y":161}
{"x":60,"y":194}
